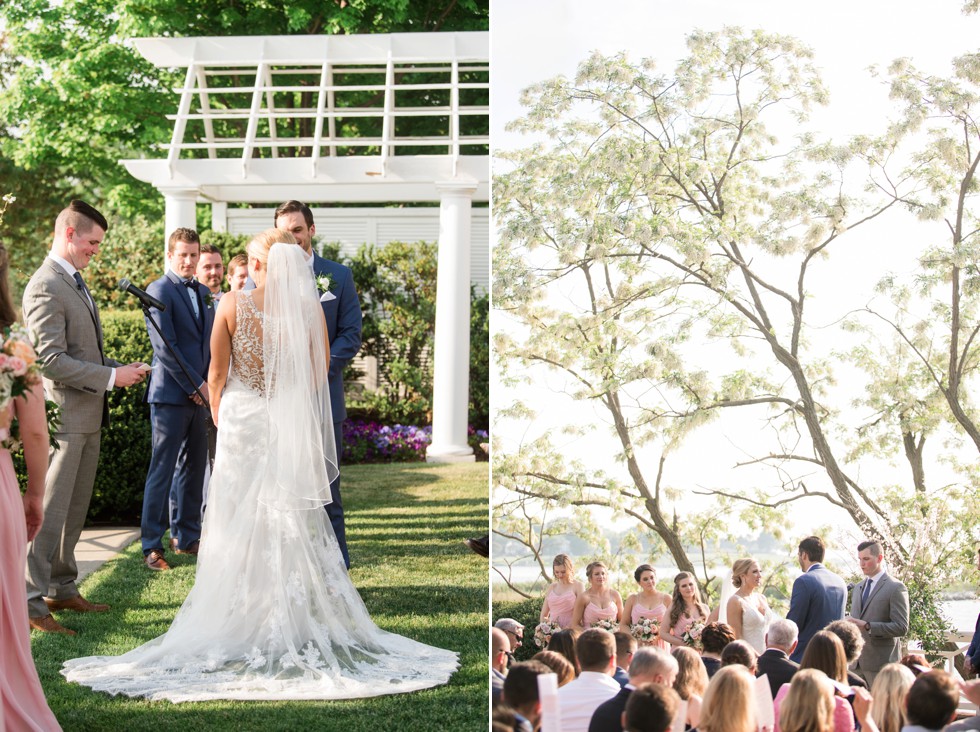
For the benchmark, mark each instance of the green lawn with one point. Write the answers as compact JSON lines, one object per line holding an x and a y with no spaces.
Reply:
{"x":405,"y":524}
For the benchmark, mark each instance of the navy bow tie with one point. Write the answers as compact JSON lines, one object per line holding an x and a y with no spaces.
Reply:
{"x":189,"y":283}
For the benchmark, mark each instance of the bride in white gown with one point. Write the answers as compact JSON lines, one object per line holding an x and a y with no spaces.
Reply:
{"x":272,"y":614}
{"x":745,"y":610}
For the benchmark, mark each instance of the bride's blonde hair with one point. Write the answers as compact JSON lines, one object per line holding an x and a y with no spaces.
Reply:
{"x":260,"y":245}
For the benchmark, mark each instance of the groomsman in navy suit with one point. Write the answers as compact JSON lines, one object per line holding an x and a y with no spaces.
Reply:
{"x":177,"y":411}
{"x":343,"y":312}
{"x":972,"y":655}
{"x":819,"y":595}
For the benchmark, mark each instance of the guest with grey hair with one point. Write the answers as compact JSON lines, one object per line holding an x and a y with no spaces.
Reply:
{"x":775,"y":663}
{"x":650,"y":665}
{"x":853,"y":642}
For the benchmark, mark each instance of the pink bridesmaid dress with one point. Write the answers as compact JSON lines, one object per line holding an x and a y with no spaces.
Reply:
{"x":594,"y":614}
{"x":658,"y":613}
{"x":683,"y":624}
{"x":22,"y":703}
{"x":560,"y":607}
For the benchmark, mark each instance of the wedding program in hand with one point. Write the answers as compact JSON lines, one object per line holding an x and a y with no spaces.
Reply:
{"x":272,"y":614}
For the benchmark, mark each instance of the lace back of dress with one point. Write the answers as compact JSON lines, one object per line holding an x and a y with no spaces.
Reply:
{"x":246,"y":344}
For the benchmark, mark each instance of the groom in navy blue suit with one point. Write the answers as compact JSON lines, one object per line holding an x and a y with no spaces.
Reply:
{"x":343,"y":313}
{"x":819,"y":595}
{"x":177,"y":411}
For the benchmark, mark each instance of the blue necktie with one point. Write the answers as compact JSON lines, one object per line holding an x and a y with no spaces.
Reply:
{"x":864,"y":595}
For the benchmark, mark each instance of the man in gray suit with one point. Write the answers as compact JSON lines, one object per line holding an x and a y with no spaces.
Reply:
{"x":880,"y":610}
{"x":63,"y":321}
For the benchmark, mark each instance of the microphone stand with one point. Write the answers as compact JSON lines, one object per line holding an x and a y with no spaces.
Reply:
{"x":212,"y":430}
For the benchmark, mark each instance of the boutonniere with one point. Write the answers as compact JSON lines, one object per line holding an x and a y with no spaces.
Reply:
{"x":324,"y":283}
{"x":209,"y":300}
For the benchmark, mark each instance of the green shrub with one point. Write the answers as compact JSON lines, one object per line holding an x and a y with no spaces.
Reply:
{"x":479,"y":417}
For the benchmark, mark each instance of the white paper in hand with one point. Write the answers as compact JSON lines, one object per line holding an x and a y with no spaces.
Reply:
{"x":548,"y":696}
{"x":764,"y":713}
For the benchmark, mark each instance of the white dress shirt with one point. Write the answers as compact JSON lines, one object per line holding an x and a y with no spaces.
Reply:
{"x":578,"y":699}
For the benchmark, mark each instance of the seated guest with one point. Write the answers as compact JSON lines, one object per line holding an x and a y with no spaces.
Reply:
{"x":916,"y":663}
{"x":931,"y":702}
{"x":889,"y":690}
{"x":825,"y":653}
{"x":729,"y":702}
{"x":691,"y":681}
{"x":739,"y":651}
{"x":596,"y":652}
{"x":775,"y":663}
{"x":499,"y":651}
{"x":714,"y":638}
{"x":808,"y":706}
{"x":853,"y":642}
{"x":651,"y":708}
{"x":625,"y":648}
{"x":521,"y":694}
{"x":557,"y":663}
{"x":563,"y":642}
{"x":514,"y":631}
{"x":650,"y":665}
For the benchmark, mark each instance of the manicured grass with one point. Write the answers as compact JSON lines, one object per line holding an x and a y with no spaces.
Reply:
{"x":405,"y":525}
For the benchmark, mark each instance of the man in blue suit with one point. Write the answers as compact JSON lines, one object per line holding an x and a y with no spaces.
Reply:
{"x":343,"y":312}
{"x":177,"y":411}
{"x":972,"y":659}
{"x":819,"y":595}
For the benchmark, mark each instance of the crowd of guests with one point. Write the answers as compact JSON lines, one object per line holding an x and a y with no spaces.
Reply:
{"x":662,"y":661}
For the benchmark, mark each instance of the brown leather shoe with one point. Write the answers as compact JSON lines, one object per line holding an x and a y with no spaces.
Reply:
{"x":193,"y":549}
{"x":155,"y":561}
{"x":78,"y":603}
{"x":47,"y":624}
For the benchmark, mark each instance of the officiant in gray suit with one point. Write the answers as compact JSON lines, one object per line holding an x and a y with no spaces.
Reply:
{"x":880,"y":609}
{"x":63,"y":320}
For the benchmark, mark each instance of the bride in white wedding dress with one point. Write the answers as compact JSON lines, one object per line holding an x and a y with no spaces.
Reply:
{"x":272,"y":614}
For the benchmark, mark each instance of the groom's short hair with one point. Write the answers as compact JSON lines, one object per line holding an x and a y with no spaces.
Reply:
{"x":814,"y":548}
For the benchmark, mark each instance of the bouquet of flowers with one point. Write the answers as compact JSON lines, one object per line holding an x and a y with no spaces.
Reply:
{"x":646,"y":631}
{"x":19,"y":369}
{"x":544,"y":631}
{"x":692,"y":636}
{"x":611,"y":625}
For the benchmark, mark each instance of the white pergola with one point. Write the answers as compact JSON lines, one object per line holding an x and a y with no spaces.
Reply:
{"x":320,"y":119}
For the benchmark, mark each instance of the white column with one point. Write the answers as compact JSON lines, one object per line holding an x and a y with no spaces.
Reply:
{"x":181,"y":209}
{"x":219,"y":216}
{"x":451,"y":359}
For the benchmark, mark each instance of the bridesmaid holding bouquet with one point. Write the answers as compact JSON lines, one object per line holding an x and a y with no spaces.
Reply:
{"x":560,"y":597}
{"x":599,"y":606}
{"x":687,"y":612}
{"x":644,"y":611}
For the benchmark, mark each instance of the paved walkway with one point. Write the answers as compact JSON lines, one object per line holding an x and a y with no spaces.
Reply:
{"x":97,"y":545}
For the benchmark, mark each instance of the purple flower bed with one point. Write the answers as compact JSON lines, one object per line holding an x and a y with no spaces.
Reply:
{"x":373,"y":442}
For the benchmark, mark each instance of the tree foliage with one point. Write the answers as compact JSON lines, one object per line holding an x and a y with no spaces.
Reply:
{"x":657,"y":252}
{"x":76,"y":97}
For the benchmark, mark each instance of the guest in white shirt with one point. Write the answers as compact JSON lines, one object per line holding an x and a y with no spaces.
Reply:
{"x":577,"y":700}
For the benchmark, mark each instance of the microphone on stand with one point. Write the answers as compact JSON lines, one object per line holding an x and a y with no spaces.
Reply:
{"x":147,"y":300}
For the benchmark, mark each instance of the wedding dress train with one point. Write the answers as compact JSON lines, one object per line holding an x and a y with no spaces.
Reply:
{"x":272,"y":614}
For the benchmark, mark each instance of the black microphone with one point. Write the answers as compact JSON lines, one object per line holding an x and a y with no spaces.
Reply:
{"x":148,"y":301}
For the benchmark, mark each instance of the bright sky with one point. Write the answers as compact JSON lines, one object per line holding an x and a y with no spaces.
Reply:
{"x":532,"y":41}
